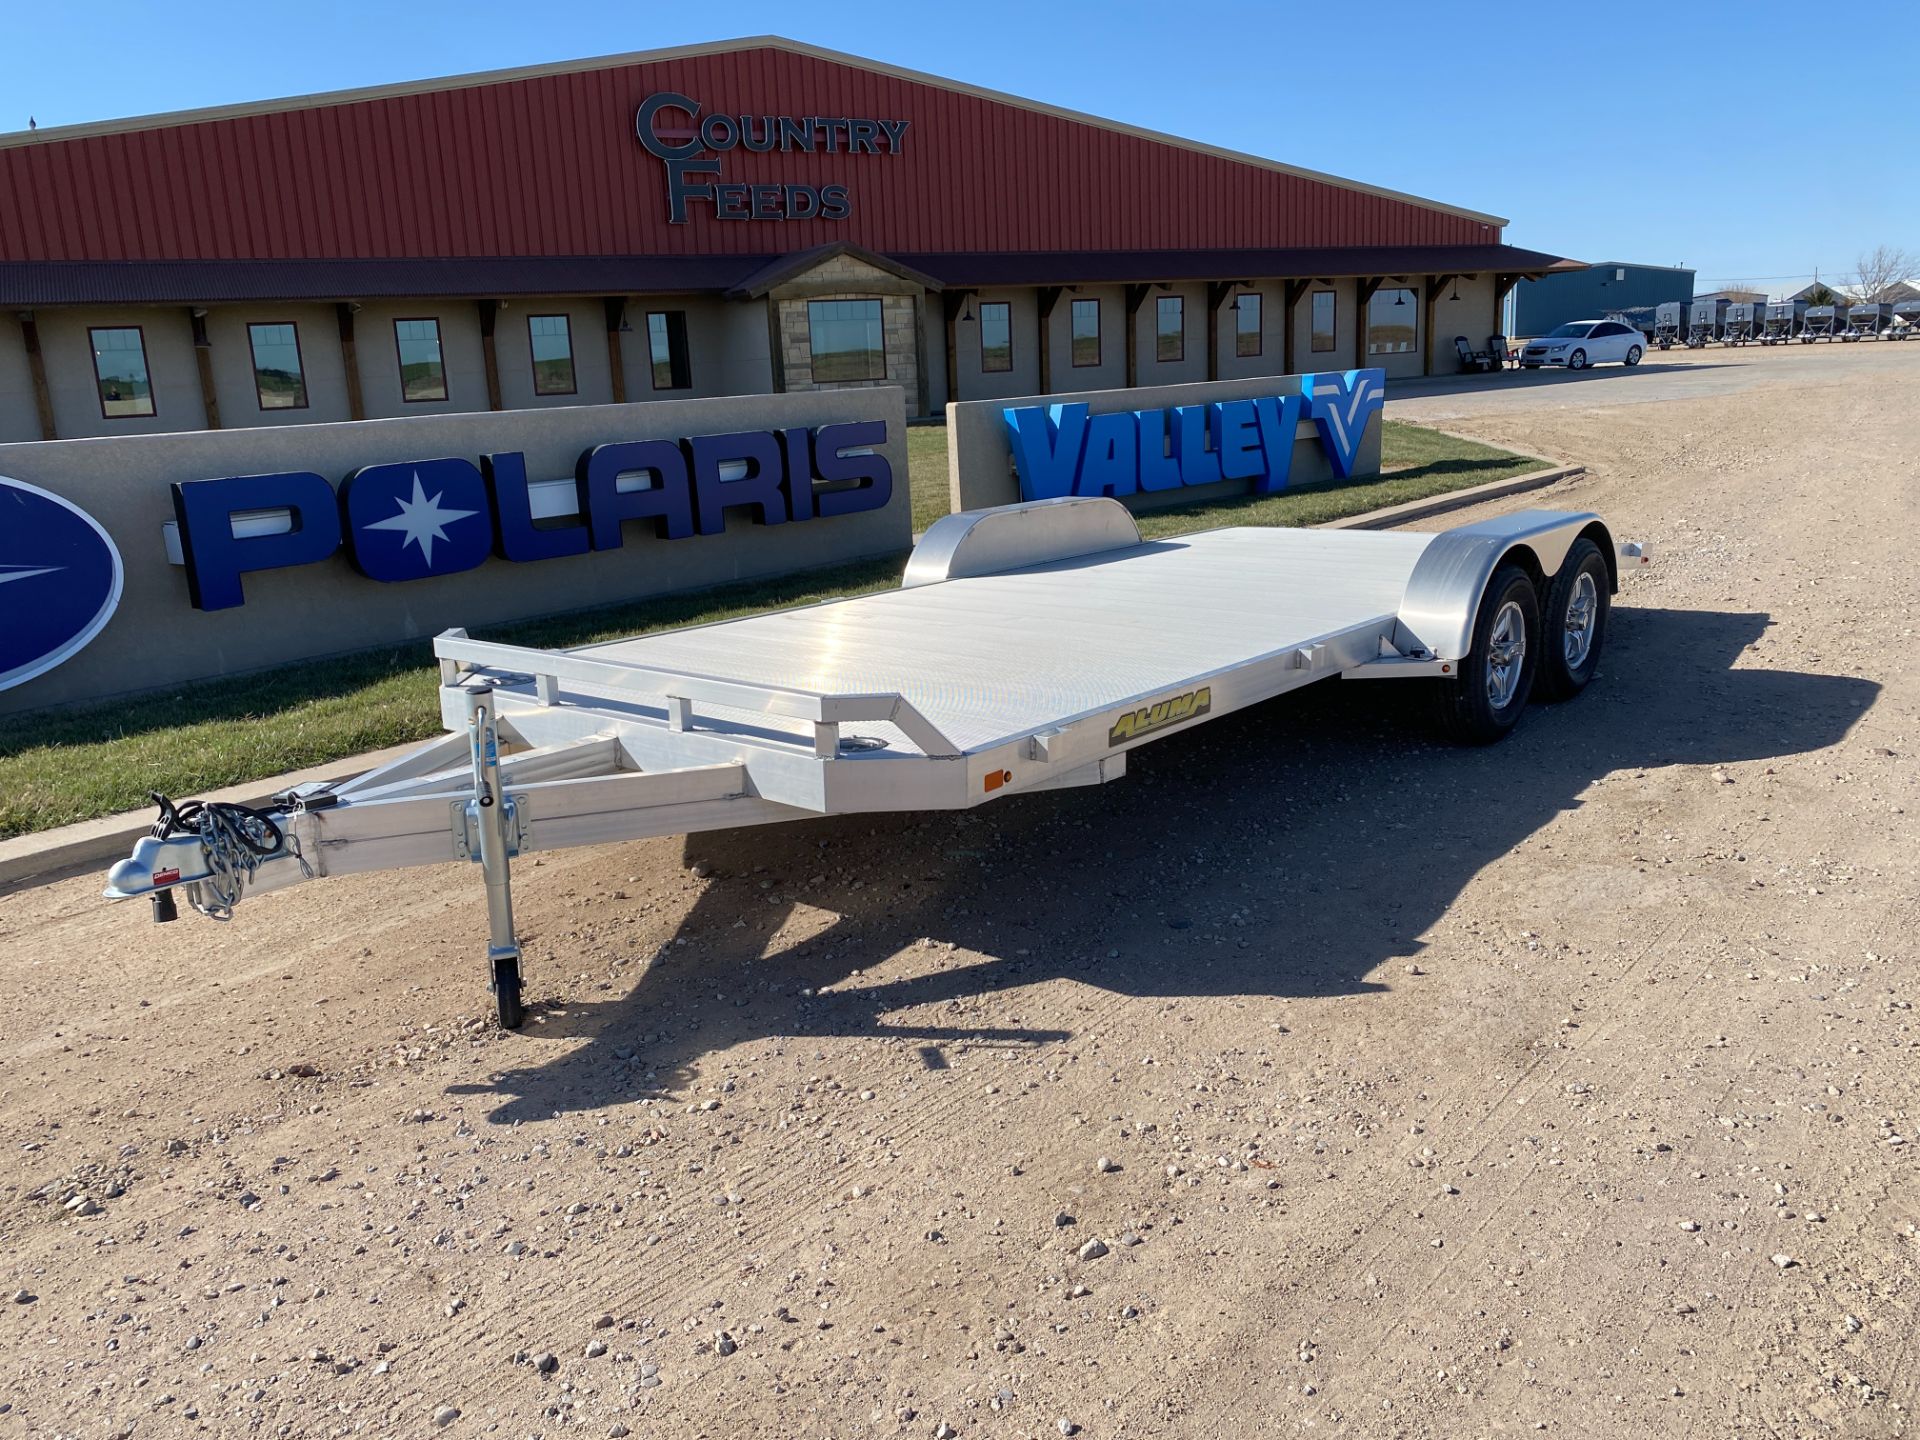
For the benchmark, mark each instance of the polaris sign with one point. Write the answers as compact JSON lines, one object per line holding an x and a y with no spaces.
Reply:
{"x":416,"y":519}
{"x":1063,"y":450}
{"x":60,"y":580}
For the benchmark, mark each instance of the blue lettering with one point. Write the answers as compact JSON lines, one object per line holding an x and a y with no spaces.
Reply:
{"x":663,"y":500}
{"x":1198,"y":465}
{"x":416,"y":519}
{"x":714,"y":494}
{"x":1159,"y":459}
{"x":857,"y":476}
{"x":216,"y":559}
{"x":1279,"y":419}
{"x":1236,"y":436}
{"x":796,"y":447}
{"x":515,"y":534}
{"x":1046,"y":443}
{"x":1111,"y":462}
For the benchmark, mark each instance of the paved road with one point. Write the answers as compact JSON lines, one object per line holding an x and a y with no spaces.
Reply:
{"x":1673,"y":375}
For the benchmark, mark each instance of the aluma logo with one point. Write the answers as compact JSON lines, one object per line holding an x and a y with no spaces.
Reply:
{"x":60,"y":580}
{"x":1160,"y":714}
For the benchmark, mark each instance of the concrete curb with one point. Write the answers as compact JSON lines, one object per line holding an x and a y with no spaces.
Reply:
{"x":1394,"y":515}
{"x":53,"y":854}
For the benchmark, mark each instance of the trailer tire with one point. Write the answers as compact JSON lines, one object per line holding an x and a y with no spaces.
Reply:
{"x":1574,"y":625}
{"x":1634,"y":352}
{"x":1488,"y":699}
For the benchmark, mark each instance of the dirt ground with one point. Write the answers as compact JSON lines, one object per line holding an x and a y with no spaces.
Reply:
{"x":1564,"y":1086}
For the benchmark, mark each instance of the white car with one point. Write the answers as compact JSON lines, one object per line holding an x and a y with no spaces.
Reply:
{"x":1580,"y":343}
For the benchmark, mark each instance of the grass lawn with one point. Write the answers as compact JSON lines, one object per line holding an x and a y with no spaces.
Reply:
{"x":63,"y":766}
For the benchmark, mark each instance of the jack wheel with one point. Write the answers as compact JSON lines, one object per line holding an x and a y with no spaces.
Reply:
{"x":506,"y":994}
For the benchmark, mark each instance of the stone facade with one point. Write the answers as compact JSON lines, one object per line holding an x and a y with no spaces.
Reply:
{"x":846,"y":278}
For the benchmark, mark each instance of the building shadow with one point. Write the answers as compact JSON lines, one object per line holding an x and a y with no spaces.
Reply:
{"x":1290,"y":850}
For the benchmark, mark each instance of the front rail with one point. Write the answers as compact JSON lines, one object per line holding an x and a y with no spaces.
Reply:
{"x":678,"y":691}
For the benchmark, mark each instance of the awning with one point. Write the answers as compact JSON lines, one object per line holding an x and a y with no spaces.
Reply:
{"x":1114,"y":267}
{"x":201,"y":282}
{"x":189,"y":282}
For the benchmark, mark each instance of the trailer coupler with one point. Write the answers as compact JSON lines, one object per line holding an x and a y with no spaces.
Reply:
{"x":210,"y":849}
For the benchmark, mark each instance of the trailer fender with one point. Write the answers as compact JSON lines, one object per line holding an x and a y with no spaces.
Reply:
{"x":1442,"y":598}
{"x":1011,"y":537}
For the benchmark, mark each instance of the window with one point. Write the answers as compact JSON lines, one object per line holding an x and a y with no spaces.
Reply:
{"x":1170,"y":332}
{"x":1246,"y":326}
{"x":1323,"y":318}
{"x":1390,"y":322}
{"x":667,"y":350}
{"x":1086,"y":332}
{"x":847,"y":340}
{"x":278,"y":378}
{"x":996,"y":335}
{"x":423,"y":375}
{"x":552,"y":340}
{"x":120,"y":365}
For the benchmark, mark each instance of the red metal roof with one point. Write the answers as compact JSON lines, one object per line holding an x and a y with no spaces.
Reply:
{"x":546,"y":163}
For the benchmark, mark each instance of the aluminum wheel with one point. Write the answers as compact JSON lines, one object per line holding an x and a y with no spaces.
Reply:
{"x":1583,"y":617}
{"x":1506,"y":654}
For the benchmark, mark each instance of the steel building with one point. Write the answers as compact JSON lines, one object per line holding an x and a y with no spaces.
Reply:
{"x":748,"y":216}
{"x":1592,"y":292}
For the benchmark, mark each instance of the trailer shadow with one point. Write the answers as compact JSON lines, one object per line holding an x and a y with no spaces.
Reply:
{"x":1291,"y":850}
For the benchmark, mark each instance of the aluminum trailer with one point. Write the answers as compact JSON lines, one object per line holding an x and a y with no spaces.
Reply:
{"x":1867,"y":322}
{"x":1669,"y":323}
{"x":1029,"y":648}
{"x":1783,"y":321}
{"x":1746,"y":322}
{"x":1822,"y":322}
{"x":1703,"y":322}
{"x":1906,"y":320}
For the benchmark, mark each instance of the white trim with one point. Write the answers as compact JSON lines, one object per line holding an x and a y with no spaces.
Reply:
{"x":57,"y":133}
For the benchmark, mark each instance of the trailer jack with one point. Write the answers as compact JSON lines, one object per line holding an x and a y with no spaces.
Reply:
{"x":490,"y":812}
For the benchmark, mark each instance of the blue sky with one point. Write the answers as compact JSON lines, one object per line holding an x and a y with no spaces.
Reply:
{"x":1611,"y":132}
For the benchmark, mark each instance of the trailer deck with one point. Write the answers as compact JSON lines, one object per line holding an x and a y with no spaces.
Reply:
{"x":1029,"y":648}
{"x":992,"y":658}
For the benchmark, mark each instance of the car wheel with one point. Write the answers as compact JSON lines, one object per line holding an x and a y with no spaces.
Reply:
{"x":1633,"y":354}
{"x":1577,"y":360}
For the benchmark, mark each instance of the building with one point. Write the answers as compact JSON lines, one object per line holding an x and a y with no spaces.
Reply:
{"x":1594,"y":291}
{"x":749,"y":216}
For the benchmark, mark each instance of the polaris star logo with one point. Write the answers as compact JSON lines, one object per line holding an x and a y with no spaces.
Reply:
{"x":60,"y":580}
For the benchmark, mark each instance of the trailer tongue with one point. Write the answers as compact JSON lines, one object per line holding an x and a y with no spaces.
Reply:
{"x":1029,"y":648}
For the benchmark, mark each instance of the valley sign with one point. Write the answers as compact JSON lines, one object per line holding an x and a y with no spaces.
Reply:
{"x":1062,"y":449}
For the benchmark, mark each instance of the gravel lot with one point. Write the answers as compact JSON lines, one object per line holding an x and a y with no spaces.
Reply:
{"x":1313,"y":1079}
